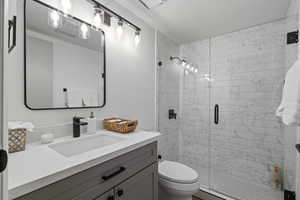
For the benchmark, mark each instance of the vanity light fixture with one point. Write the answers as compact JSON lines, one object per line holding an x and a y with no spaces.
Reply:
{"x":84,"y":31}
{"x":120,"y":28}
{"x":98,"y":17}
{"x":188,"y":67}
{"x":137,"y":38}
{"x":66,"y":6}
{"x":108,"y":14}
{"x":54,"y":19}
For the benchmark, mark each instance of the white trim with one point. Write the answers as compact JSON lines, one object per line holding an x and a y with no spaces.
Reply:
{"x":156,"y":82}
{"x":298,"y":168}
{"x":3,"y":119}
{"x":181,"y":81}
{"x":298,"y":131}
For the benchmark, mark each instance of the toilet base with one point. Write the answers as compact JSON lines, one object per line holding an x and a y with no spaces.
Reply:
{"x":174,"y":195}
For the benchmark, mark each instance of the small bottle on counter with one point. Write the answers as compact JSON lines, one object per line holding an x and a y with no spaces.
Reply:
{"x":92,"y":124}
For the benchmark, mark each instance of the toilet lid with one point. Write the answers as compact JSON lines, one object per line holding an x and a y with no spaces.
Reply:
{"x":177,"y":172}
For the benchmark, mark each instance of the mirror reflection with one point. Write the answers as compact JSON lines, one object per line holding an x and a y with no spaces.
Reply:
{"x":65,"y":60}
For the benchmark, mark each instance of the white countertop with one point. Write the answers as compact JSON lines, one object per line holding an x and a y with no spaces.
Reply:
{"x":40,"y":165}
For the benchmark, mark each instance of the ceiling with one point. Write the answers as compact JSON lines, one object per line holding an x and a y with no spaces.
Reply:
{"x":191,"y":20}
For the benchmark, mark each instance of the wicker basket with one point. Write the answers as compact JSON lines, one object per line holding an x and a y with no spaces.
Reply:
{"x":16,"y":140}
{"x":125,"y":126}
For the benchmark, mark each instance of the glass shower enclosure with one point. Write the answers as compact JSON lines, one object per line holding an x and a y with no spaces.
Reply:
{"x":228,"y":131}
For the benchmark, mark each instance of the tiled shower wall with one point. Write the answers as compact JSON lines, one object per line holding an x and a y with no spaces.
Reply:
{"x":247,"y":72}
{"x":168,"y":77}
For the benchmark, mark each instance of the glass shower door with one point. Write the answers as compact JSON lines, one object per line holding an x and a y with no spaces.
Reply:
{"x":195,"y":111}
{"x":247,"y":69}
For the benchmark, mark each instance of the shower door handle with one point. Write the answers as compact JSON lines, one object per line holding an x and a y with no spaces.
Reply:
{"x":216,"y":114}
{"x":12,"y":34}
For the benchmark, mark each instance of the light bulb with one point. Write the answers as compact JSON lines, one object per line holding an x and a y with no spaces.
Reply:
{"x":97,"y":19}
{"x":188,"y":66}
{"x":120,"y":29}
{"x":66,"y":6}
{"x":84,"y":31}
{"x":207,"y":77}
{"x":54,"y":19}
{"x":192,"y":68}
{"x":183,"y":63}
{"x":137,"y":38}
{"x":196,"y":70}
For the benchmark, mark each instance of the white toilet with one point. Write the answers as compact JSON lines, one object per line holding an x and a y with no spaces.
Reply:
{"x":177,"y":181}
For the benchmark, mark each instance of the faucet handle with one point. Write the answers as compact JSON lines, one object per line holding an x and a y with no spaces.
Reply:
{"x":77,"y":119}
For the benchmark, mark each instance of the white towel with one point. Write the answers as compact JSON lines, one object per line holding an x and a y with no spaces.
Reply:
{"x":289,"y":109}
{"x":90,"y":97}
{"x":74,"y":97}
{"x":79,"y":96}
{"x":18,"y":124}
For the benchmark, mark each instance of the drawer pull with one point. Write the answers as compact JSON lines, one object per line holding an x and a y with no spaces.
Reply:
{"x":122,"y":169}
{"x":298,"y":147}
{"x":111,"y":198}
{"x":120,"y":193}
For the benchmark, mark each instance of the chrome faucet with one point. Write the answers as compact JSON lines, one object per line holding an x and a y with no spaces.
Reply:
{"x":76,"y":126}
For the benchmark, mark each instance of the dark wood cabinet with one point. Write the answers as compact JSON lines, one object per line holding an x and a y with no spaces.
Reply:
{"x":141,"y":186}
{"x":107,"y":196}
{"x":131,"y":176}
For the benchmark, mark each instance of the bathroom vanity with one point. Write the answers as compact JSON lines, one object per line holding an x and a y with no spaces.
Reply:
{"x":125,"y":169}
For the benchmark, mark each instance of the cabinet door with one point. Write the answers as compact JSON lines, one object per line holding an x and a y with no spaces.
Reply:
{"x":96,"y":196}
{"x":143,"y":186}
{"x":107,"y":196}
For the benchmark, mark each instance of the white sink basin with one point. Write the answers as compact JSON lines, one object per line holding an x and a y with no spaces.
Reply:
{"x":85,"y":144}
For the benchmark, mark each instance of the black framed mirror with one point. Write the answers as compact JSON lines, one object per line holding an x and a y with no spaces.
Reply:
{"x":64,"y":60}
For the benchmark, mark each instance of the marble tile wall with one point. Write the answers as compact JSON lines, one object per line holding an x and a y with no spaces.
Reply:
{"x":247,"y":69}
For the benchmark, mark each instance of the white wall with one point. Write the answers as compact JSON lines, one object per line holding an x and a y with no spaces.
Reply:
{"x":130,"y":76}
{"x":39,"y":80}
{"x":293,"y":8}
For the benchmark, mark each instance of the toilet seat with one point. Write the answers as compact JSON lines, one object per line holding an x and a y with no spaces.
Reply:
{"x":175,"y":172}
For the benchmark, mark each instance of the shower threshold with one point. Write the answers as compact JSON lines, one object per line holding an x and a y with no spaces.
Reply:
{"x":207,"y":194}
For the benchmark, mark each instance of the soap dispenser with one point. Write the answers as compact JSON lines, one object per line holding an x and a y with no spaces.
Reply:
{"x":92,"y":124}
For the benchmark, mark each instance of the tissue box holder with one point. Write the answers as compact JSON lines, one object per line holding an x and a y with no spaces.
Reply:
{"x":16,"y":140}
